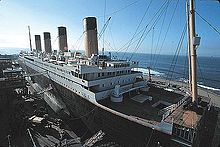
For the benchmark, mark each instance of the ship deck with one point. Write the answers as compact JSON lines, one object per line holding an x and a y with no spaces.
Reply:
{"x":184,"y":118}
{"x":138,"y":105}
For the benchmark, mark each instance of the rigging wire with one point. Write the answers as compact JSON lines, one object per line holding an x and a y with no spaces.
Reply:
{"x":202,"y":77}
{"x":144,"y":35}
{"x":78,"y":40}
{"x":185,"y":68}
{"x":167,"y":32}
{"x":125,"y":7}
{"x":152,"y":45}
{"x":105,"y":25}
{"x":128,"y":44}
{"x":157,"y":44}
{"x":176,"y":55}
{"x":130,"y":41}
{"x":210,"y":25}
{"x":110,"y":30}
{"x":54,"y":41}
{"x":108,"y":44}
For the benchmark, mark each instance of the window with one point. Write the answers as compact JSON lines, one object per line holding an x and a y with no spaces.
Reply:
{"x":98,"y":74}
{"x":103,"y":74}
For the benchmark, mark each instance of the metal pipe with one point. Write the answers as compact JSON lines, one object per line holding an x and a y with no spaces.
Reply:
{"x":32,"y":140}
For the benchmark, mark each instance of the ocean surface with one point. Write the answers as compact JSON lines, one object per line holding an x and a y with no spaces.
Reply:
{"x":168,"y":67}
{"x":176,"y":68}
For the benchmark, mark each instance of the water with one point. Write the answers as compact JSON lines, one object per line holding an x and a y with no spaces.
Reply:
{"x":208,"y":68}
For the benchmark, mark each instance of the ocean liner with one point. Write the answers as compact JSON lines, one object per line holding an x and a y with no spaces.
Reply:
{"x":108,"y":94}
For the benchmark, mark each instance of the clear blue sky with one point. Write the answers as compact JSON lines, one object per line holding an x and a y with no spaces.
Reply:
{"x":47,"y":15}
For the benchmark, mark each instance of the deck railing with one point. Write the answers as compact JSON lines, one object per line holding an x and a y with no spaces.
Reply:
{"x":168,"y":110}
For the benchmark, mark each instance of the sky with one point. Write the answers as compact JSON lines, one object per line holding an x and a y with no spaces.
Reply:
{"x":129,"y":19}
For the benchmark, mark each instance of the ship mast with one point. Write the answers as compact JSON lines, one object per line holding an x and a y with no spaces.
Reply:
{"x":188,"y":47}
{"x":29,"y":30}
{"x":193,"y":44}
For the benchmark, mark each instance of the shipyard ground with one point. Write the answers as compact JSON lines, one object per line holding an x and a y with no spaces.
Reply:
{"x":13,"y":130}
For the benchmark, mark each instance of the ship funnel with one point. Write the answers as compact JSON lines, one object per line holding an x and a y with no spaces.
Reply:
{"x":90,"y":30}
{"x":47,"y":42}
{"x":38,"y":43}
{"x":62,"y":39}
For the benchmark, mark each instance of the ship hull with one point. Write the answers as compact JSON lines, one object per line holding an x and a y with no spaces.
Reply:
{"x":126,"y":132}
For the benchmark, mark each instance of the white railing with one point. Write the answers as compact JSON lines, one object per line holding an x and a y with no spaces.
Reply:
{"x":168,"y":110}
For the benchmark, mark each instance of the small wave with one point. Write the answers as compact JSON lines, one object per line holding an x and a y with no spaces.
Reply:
{"x":207,"y":87}
{"x":187,"y":81}
{"x":145,"y":71}
{"x":183,"y":80}
{"x":200,"y":85}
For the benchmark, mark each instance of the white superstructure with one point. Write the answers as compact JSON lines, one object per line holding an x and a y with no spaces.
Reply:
{"x":92,"y":78}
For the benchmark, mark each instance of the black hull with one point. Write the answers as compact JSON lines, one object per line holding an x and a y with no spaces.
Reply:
{"x":96,"y":118}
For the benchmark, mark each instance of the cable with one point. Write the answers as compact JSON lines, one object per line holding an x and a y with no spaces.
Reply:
{"x":54,"y":41}
{"x":152,"y":44}
{"x":144,"y":35}
{"x":202,"y":77}
{"x":185,"y":68}
{"x":165,"y":14}
{"x":134,"y":35}
{"x":105,"y":25}
{"x":167,"y":31}
{"x":138,"y":28}
{"x":78,"y":40}
{"x":175,"y":58}
{"x":211,"y":26}
{"x":142,"y":30}
{"x":110,"y":30}
{"x":122,"y":8}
